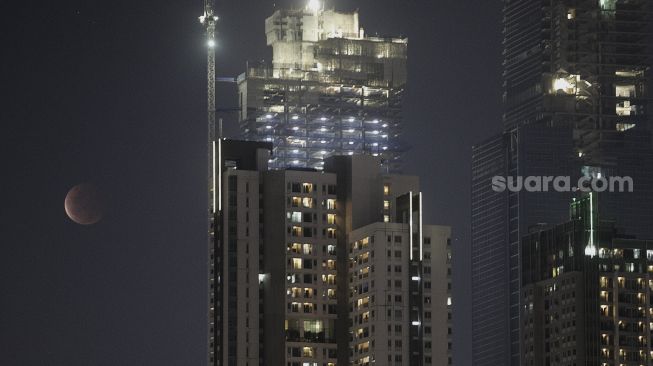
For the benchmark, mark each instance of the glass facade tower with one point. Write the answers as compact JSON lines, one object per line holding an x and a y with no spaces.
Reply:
{"x":577,"y":103}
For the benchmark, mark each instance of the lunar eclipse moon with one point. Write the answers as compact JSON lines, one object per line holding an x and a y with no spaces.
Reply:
{"x":83,"y":204}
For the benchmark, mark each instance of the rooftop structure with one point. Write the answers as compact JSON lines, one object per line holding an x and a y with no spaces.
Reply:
{"x":329,"y":90}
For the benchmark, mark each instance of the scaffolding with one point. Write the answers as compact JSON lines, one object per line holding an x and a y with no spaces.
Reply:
{"x":344,"y":98}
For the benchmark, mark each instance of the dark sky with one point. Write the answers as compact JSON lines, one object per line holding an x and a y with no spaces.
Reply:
{"x":113,"y":92}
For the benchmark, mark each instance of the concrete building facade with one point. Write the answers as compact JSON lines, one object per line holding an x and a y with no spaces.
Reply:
{"x":286,"y":286}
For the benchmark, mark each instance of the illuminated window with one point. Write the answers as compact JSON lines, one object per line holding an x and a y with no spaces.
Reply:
{"x":623,"y":109}
{"x":295,"y":248}
{"x":296,"y":217}
{"x":330,"y":264}
{"x":608,"y":4}
{"x":365,"y":242}
{"x":331,"y":219}
{"x":571,"y":14}
{"x":331,"y":293}
{"x":307,"y":187}
{"x":308,"y":249}
{"x":329,"y":279}
{"x":331,"y":249}
{"x":566,"y":85}
{"x":386,"y":218}
{"x":629,"y":73}
{"x":386,"y":205}
{"x":621,"y":127}
{"x":307,"y":202}
{"x":296,"y":263}
{"x":331,"y":204}
{"x":386,"y":190}
{"x":331,"y":233}
{"x":308,"y":352}
{"x":624,"y":91}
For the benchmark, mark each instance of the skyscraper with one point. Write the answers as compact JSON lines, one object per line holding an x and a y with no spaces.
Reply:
{"x":329,"y":90}
{"x":586,"y":293}
{"x":306,"y":268}
{"x":576,"y":104}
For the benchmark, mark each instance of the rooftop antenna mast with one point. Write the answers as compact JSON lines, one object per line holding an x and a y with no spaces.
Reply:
{"x":209,"y":20}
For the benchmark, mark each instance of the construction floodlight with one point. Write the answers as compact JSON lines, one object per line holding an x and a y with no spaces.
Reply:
{"x":314,"y":5}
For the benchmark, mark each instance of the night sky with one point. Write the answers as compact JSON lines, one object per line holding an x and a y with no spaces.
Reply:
{"x":113,"y":92}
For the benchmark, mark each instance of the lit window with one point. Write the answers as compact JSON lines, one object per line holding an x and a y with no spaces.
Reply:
{"x":621,"y":127}
{"x":386,"y":218}
{"x":624,"y":108}
{"x":624,"y":91}
{"x":571,"y":14}
{"x":307,"y":187}
{"x":386,"y":189}
{"x":386,"y":205}
{"x":296,"y":263}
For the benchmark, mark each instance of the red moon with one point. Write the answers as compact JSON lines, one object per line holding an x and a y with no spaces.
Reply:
{"x":83,"y":204}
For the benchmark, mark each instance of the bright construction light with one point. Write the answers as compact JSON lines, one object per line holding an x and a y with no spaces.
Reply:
{"x":211,"y":43}
{"x":268,"y":127}
{"x":561,"y":84}
{"x":268,"y":116}
{"x":295,"y":128}
{"x":314,"y":5}
{"x":323,"y":119}
{"x":295,"y":117}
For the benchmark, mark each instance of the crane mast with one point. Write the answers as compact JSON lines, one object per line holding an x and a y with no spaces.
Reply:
{"x":209,"y":19}
{"x":214,"y":357}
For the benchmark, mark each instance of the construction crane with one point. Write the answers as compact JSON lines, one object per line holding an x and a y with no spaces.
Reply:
{"x":209,"y":20}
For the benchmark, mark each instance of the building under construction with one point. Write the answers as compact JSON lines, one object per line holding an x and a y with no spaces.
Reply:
{"x":330,"y":90}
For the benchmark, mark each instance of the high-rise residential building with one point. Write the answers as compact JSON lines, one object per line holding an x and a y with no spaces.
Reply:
{"x":576,"y":104}
{"x":586,"y":295}
{"x":329,"y":90}
{"x":287,"y":285}
{"x":398,"y":316}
